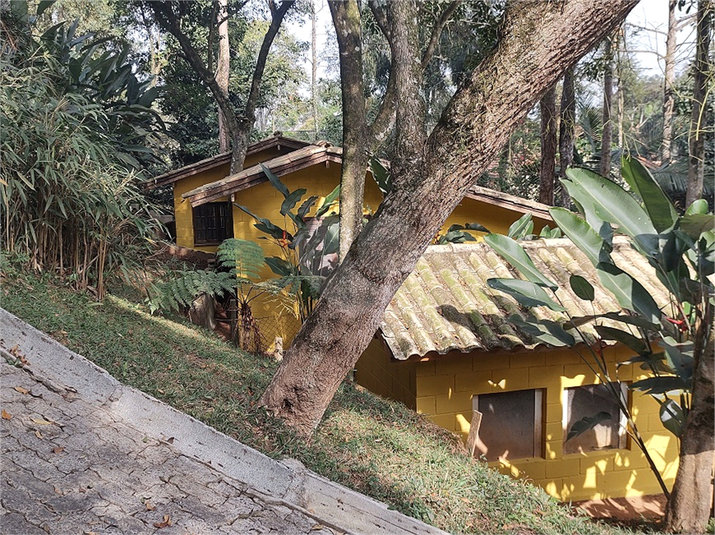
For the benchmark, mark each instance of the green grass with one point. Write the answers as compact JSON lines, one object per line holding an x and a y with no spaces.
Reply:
{"x":372,"y":445}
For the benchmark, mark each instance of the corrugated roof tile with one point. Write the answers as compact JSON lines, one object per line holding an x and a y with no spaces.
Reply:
{"x":445,"y":304}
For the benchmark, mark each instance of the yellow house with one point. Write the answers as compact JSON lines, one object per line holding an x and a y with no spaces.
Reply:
{"x":205,"y":214}
{"x":449,"y":348}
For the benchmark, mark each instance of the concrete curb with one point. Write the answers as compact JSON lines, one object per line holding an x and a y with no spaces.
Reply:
{"x":287,"y":481}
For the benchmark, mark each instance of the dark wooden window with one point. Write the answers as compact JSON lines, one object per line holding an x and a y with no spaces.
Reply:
{"x":213,"y":223}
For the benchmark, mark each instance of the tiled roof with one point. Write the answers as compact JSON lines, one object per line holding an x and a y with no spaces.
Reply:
{"x":445,"y":304}
{"x":511,"y":202}
{"x":307,"y":156}
{"x":276,"y":140}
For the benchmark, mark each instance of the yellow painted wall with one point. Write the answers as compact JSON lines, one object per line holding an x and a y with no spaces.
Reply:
{"x":445,"y":387}
{"x":277,"y":318}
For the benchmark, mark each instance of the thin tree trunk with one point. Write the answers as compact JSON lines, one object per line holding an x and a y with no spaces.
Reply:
{"x":222,"y":72}
{"x":698,"y":120}
{"x":346,"y":18}
{"x":429,"y":181}
{"x":567,"y":126}
{"x":314,"y":67}
{"x":547,"y":106}
{"x":607,"y":133}
{"x":669,"y":84}
{"x":688,"y":509}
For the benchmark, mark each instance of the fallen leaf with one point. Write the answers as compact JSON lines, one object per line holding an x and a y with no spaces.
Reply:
{"x":38,"y":434}
{"x":6,"y":415}
{"x":22,"y":390}
{"x":40,"y":421}
{"x":15,"y":350}
{"x":58,"y":449}
{"x":149,"y":506}
{"x":165,"y":524}
{"x":317,"y":527}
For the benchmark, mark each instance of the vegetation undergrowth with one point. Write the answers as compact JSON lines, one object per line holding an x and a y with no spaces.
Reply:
{"x":367,"y":443}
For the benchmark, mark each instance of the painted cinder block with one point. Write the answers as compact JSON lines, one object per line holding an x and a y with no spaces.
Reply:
{"x":545,"y":376}
{"x":427,"y":405}
{"x":454,"y":402}
{"x":526,"y":360}
{"x":431,"y":385}
{"x":476,"y":382}
{"x":562,"y":468}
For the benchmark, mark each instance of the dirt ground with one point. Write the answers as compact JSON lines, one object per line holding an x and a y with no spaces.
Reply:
{"x":625,"y":509}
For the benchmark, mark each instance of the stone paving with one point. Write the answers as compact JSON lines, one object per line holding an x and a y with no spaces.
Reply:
{"x":70,"y":467}
{"x":83,"y":454}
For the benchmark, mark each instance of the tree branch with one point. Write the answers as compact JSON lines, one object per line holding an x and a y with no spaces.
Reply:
{"x":437,"y":31}
{"x":277,"y":15}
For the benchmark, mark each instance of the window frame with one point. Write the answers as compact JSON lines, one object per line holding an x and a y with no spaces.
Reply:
{"x":538,"y":445}
{"x":216,"y":236}
{"x":622,"y":442}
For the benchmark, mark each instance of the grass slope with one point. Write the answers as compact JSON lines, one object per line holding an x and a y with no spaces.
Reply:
{"x":367,"y":443}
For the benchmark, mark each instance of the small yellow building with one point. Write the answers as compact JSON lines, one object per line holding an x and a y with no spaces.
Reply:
{"x":449,"y":347}
{"x":205,"y":195}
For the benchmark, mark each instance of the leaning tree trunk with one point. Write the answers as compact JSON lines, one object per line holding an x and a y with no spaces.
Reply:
{"x":688,"y":509}
{"x":540,"y":40}
{"x":696,"y":165}
{"x":547,"y":106}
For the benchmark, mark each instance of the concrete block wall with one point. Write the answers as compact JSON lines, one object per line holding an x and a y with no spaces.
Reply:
{"x":445,"y":388}
{"x":385,"y":377}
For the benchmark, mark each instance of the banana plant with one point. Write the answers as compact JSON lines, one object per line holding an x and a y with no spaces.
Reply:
{"x":307,"y":248}
{"x":681,"y":249}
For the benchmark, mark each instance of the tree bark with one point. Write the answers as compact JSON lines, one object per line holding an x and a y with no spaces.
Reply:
{"x":567,"y":126}
{"x":688,"y":509}
{"x":702,"y":67}
{"x":669,"y":84}
{"x":222,"y":71}
{"x":547,"y":106}
{"x":539,"y":40}
{"x":347,"y":22}
{"x":607,"y":133}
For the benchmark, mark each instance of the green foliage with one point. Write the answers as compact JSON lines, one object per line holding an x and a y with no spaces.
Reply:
{"x":69,"y":202}
{"x":681,"y":249}
{"x":365,"y":442}
{"x":306,"y":252}
{"x":239,"y":262}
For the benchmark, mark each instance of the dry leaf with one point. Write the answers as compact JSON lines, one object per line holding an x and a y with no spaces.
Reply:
{"x":6,"y":415}
{"x":149,"y":506}
{"x":317,"y":527}
{"x":165,"y":524}
{"x":38,"y":434}
{"x":15,"y":350}
{"x":58,"y":449}
{"x":40,"y":421}
{"x":22,"y":390}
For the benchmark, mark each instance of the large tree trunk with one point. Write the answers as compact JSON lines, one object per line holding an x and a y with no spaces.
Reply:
{"x":547,"y":106}
{"x":607,"y":133}
{"x":539,"y":40}
{"x":222,"y":71}
{"x":688,"y":509}
{"x":567,"y":126}
{"x":696,"y":167}
{"x":669,"y":84}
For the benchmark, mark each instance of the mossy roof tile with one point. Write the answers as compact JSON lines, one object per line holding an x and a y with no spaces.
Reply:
{"x":445,"y":304}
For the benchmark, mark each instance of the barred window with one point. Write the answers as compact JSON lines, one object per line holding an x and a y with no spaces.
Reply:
{"x":213,"y":223}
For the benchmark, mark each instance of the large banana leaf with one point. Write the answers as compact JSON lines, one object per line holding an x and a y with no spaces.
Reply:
{"x":514,"y":253}
{"x":661,"y":211}
{"x":611,"y":203}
